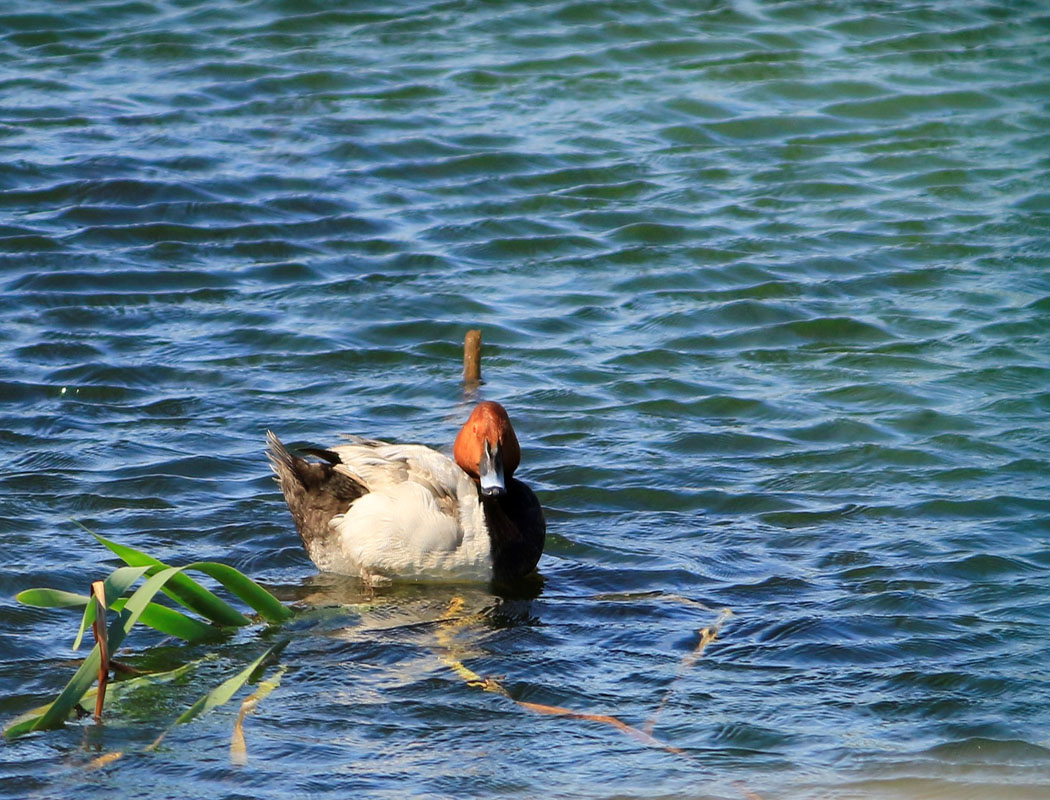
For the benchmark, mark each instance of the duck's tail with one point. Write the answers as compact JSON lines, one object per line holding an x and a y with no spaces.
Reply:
{"x":282,"y":462}
{"x":314,"y":492}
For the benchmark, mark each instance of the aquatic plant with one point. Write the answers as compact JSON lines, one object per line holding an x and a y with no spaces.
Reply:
{"x":107,"y":596}
{"x":214,"y":616}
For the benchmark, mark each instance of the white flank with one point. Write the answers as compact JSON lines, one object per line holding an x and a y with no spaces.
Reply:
{"x":420,"y":520}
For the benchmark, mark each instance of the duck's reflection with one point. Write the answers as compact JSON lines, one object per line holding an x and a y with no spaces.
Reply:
{"x":416,"y":605}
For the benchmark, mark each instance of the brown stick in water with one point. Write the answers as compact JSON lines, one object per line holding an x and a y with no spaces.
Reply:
{"x":472,"y":357}
{"x":98,"y":596}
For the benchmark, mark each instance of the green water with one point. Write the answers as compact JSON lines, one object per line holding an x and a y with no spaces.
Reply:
{"x":765,"y":287}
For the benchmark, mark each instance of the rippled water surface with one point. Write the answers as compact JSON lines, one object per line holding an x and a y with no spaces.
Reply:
{"x":764,"y":285}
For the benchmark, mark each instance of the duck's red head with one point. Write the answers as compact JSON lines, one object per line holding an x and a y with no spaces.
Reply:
{"x":487,"y":449}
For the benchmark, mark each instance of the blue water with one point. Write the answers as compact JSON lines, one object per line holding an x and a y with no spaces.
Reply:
{"x":764,"y":285}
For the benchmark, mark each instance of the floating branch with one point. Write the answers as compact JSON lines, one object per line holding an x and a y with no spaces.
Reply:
{"x":630,"y":730}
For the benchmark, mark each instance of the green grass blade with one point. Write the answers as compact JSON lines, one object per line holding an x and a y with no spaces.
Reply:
{"x":117,"y":691}
{"x":161,"y":618}
{"x":137,"y":603}
{"x":140,"y":605}
{"x":174,"y":623}
{"x":221,"y":693}
{"x":58,"y":711}
{"x":165,"y":620}
{"x":115,"y":585}
{"x":51,"y":598}
{"x":225,"y":690}
{"x":245,"y":588}
{"x":182,"y":588}
{"x":24,"y":723}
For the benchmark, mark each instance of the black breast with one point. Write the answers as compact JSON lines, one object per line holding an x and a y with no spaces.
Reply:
{"x":517,"y":530}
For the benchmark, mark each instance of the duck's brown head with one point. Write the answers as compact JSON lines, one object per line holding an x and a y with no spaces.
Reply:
{"x":487,"y":449}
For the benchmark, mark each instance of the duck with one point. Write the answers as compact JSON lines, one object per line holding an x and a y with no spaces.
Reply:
{"x":405,"y":512}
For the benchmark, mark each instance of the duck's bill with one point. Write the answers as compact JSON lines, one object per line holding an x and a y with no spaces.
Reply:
{"x":491,"y":472}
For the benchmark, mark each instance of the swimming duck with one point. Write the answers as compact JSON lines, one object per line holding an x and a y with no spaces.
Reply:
{"x":403,"y":511}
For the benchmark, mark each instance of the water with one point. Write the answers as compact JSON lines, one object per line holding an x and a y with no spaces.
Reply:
{"x":764,"y":286}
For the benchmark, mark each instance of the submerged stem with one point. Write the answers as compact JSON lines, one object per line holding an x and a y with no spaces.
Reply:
{"x":98,"y":595}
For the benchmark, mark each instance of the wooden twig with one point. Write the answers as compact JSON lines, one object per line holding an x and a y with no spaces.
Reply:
{"x":472,"y":357}
{"x":105,"y":760}
{"x":450,"y":655}
{"x":606,"y":719}
{"x":238,"y":747}
{"x":707,"y":635}
{"x":98,"y":594}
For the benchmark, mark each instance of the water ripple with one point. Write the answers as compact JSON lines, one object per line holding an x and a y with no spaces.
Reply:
{"x":764,"y":287}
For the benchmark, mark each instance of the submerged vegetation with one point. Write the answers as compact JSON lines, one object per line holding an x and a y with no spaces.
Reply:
{"x":107,"y":599}
{"x":111,"y":613}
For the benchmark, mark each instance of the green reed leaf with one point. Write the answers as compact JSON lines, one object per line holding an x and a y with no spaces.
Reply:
{"x":57,"y":712}
{"x":175,"y":623}
{"x":115,"y":585}
{"x":116,"y":692}
{"x":173,"y":582}
{"x":51,"y":598}
{"x":160,"y":618}
{"x":222,"y":693}
{"x":268,"y":606}
{"x":182,"y":589}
